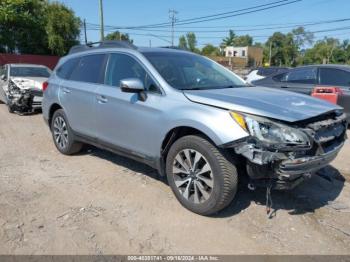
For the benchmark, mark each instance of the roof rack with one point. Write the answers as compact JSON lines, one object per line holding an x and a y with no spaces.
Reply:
{"x":103,"y":44}
{"x":175,"y":47}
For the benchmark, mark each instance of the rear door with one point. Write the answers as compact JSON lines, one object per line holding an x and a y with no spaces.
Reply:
{"x":337,"y":78}
{"x":300,"y":80}
{"x":78,"y":92}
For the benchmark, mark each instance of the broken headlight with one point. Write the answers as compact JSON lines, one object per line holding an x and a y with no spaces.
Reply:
{"x":270,"y":132}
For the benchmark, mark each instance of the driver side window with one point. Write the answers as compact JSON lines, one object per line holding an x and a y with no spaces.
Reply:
{"x":121,"y":66}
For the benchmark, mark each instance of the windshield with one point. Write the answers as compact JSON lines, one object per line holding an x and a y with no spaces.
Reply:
{"x":186,"y":71}
{"x":29,"y":71}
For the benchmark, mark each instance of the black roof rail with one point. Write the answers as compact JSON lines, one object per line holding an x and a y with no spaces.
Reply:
{"x":119,"y":44}
{"x":175,"y":47}
{"x":103,"y":44}
{"x":78,"y":48}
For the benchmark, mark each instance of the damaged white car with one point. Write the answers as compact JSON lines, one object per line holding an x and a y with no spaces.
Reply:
{"x":21,"y":86}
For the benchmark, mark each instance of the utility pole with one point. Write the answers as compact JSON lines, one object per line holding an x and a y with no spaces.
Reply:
{"x":85,"y":31}
{"x":101,"y":22}
{"x":173,"y":20}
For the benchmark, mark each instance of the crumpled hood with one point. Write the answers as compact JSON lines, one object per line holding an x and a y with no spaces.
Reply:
{"x":29,"y":82}
{"x":262,"y":101}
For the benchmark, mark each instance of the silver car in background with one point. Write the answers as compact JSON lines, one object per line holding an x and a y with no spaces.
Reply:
{"x":21,"y":86}
{"x":193,"y":120}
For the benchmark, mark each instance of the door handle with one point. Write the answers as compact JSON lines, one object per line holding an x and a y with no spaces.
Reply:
{"x":102,"y":99}
{"x":66,"y":90}
{"x":284,"y":86}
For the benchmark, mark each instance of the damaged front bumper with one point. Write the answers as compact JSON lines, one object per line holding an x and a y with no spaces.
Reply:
{"x":286,"y":167}
{"x":25,"y":101}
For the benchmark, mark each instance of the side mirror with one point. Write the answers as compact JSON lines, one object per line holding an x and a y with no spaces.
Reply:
{"x":134,"y":85}
{"x":131,"y":85}
{"x":3,"y":77}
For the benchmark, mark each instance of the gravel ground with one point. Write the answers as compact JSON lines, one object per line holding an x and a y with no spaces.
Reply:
{"x":99,"y":203}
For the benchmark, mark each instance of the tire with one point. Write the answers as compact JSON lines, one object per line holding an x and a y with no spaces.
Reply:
{"x":207,"y":191}
{"x":63,"y":135}
{"x":10,"y":109}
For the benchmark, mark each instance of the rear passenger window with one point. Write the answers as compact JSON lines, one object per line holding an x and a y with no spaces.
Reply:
{"x":302,"y":76}
{"x":332,"y":76}
{"x":89,"y":69}
{"x":65,"y":70}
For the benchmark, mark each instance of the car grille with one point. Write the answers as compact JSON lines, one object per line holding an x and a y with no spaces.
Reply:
{"x":328,"y":133}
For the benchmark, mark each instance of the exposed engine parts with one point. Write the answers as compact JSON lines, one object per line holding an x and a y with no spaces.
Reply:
{"x":287,"y":166}
{"x":21,"y":100}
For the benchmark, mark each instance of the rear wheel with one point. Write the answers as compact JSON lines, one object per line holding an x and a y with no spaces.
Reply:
{"x":202,"y":178}
{"x":63,"y":135}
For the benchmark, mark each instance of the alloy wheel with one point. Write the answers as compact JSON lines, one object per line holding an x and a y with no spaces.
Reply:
{"x":60,"y":132}
{"x":193,"y":176}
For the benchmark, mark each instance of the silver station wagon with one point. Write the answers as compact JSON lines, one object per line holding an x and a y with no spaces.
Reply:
{"x":193,"y":120}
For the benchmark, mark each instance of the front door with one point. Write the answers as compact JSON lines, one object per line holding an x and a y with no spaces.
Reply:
{"x":124,"y":121}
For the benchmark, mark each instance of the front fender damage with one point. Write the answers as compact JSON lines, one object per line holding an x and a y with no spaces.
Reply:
{"x":284,"y":166}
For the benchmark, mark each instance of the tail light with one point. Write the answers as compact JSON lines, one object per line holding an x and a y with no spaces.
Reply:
{"x":45,"y":86}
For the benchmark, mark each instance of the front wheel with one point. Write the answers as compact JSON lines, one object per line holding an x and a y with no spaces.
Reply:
{"x":10,"y":108}
{"x":63,"y":135}
{"x":202,"y":178}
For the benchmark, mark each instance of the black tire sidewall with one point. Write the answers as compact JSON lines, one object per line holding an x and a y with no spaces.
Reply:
{"x":196,"y":143}
{"x":10,"y":109}
{"x":70,"y":143}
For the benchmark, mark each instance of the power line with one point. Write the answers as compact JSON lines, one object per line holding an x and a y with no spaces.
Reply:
{"x":239,"y":14}
{"x":230,"y":12}
{"x":241,"y":30}
{"x":254,"y":36}
{"x":218,"y":16}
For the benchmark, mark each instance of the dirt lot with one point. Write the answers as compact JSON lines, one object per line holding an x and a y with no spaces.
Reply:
{"x":99,"y":203}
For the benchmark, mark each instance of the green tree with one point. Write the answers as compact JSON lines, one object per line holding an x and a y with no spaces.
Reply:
{"x":243,"y":40}
{"x":37,"y":27}
{"x":210,"y":50}
{"x":191,"y":42}
{"x":302,"y":37}
{"x":22,"y":26}
{"x":229,"y":41}
{"x":183,"y":42}
{"x":327,"y":51}
{"x":62,"y":28}
{"x":119,"y":36}
{"x":283,"y":49}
